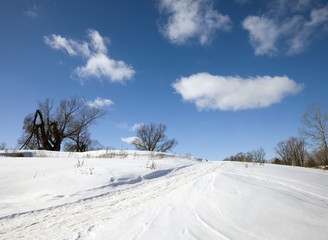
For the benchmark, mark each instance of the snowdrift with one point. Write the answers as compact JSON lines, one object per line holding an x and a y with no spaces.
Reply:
{"x":41,"y":179}
{"x":142,"y":195}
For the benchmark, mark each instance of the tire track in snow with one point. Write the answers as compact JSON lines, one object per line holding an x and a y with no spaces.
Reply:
{"x":73,"y":221}
{"x":287,"y":184}
{"x":146,"y":225}
{"x":209,"y":227}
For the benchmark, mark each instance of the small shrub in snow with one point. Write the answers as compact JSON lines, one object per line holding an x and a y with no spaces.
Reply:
{"x":41,"y":154}
{"x":160,"y":155}
{"x":109,"y":149}
{"x":152,"y":166}
{"x":188,"y":156}
{"x":91,"y":170}
{"x":108,"y":154}
{"x":79,"y":166}
{"x":112,"y":154}
{"x":123,"y":154}
{"x":79,"y":163}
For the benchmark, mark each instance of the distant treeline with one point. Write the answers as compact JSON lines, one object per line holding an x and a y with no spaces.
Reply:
{"x":309,"y":149}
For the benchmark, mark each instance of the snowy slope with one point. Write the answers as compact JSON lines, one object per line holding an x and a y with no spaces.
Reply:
{"x":46,"y":178}
{"x":180,"y":199}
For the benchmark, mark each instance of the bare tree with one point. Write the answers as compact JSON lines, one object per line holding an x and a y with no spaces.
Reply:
{"x":3,"y":146}
{"x":258,"y":155}
{"x":297,"y":150}
{"x":152,"y":138}
{"x":315,"y":128}
{"x":46,"y":129}
{"x":320,"y":157}
{"x":282,"y":150}
{"x":82,"y":142}
{"x":292,"y":151}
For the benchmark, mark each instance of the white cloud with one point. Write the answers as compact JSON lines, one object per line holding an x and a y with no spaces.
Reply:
{"x":98,"y":64}
{"x":192,"y":19}
{"x":263,"y":34}
{"x":72,"y":47}
{"x":211,"y":92}
{"x":97,"y":42}
{"x":136,"y":126}
{"x":286,"y":29}
{"x":129,"y":140}
{"x":100,"y":103}
{"x":318,"y":17}
{"x":32,"y":11}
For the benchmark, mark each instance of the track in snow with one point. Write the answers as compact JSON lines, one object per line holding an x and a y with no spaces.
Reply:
{"x":76,"y":220}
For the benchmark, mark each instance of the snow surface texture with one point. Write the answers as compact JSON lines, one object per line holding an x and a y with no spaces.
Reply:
{"x":182,"y":198}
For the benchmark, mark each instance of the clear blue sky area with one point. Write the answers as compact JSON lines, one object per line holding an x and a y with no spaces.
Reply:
{"x":224,"y":76}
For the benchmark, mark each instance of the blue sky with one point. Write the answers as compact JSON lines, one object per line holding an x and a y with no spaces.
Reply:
{"x":224,"y":76}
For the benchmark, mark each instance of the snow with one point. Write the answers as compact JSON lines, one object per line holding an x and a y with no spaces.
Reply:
{"x":56,"y":178}
{"x":92,"y":196}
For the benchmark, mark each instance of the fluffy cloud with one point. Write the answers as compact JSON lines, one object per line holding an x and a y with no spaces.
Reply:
{"x":210,"y":92}
{"x":136,"y":126}
{"x":98,"y":64}
{"x":191,"y":19}
{"x":73,"y":48}
{"x":129,"y":140}
{"x":100,"y":103}
{"x":286,"y":27}
{"x":263,"y":34}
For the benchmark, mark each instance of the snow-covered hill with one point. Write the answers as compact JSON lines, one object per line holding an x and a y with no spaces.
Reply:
{"x":117,"y":195}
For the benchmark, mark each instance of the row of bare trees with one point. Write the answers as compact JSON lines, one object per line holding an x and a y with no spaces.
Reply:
{"x":313,"y":134}
{"x":51,"y":126}
{"x":68,"y":122}
{"x":257,"y":156}
{"x":308,"y":150}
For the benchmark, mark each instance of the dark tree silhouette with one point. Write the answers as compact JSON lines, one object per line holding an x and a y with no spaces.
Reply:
{"x":81,"y":142}
{"x":152,"y":138}
{"x":46,"y":129}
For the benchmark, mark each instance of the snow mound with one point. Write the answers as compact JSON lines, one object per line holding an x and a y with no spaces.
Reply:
{"x":44,"y":179}
{"x":124,"y":197}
